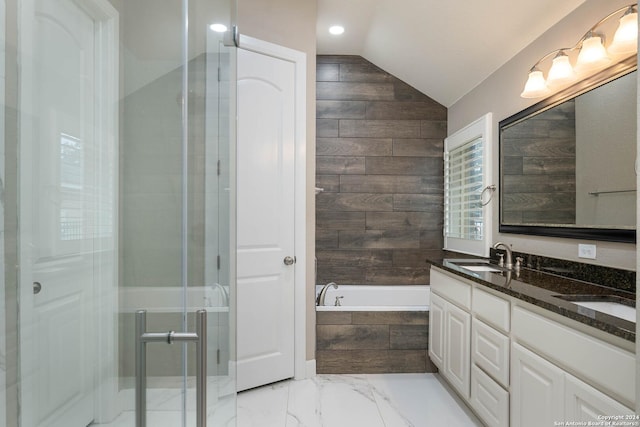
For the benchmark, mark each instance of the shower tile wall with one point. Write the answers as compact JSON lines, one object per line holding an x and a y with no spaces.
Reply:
{"x":379,"y":160}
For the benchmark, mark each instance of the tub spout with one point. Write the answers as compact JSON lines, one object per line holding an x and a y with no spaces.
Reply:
{"x":323,"y":292}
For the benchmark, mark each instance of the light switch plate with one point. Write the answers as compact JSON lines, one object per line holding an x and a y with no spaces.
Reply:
{"x":587,"y":251}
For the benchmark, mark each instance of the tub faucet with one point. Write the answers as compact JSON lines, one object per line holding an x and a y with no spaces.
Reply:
{"x":509,"y":260}
{"x":223,"y":293}
{"x":323,"y":292}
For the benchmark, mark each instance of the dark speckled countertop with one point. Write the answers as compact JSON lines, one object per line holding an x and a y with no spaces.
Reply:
{"x":540,"y":289}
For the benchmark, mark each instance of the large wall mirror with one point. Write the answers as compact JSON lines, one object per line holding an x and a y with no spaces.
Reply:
{"x":567,"y":164}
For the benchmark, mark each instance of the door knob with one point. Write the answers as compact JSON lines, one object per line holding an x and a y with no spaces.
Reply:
{"x":37,"y":287}
{"x":288,"y":260}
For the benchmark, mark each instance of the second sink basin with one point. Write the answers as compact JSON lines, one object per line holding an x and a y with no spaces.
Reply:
{"x":608,"y":304}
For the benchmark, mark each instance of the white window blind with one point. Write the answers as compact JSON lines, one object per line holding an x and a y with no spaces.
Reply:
{"x":463,"y":187}
{"x":467,"y":172}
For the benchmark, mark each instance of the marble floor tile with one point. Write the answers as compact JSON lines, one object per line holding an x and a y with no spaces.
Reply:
{"x":264,"y":406}
{"x":419,"y":400}
{"x":387,"y":400}
{"x":382,"y":400}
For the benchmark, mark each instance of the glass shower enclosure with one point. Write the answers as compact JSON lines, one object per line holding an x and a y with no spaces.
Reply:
{"x":116,"y":153}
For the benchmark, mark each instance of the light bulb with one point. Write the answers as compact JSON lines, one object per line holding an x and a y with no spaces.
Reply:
{"x":561,"y":71}
{"x":535,"y":87}
{"x":336,"y":30}
{"x":625,"y":39}
{"x":592,"y":55}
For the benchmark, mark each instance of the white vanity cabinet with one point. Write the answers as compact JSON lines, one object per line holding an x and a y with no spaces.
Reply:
{"x":585,"y":403}
{"x":537,"y":390}
{"x":576,"y":376}
{"x":472,"y":355}
{"x":450,"y":337}
{"x":490,"y":357}
{"x":457,"y":348}
{"x":516,"y":364}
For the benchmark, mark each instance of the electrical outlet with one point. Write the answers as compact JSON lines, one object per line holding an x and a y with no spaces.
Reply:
{"x":587,"y":251}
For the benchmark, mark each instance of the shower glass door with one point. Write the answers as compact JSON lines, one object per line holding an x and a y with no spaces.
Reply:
{"x":117,"y":141}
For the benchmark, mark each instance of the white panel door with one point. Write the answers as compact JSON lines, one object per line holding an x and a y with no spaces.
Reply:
{"x":265,"y":219}
{"x":537,"y":390}
{"x":66,"y":209}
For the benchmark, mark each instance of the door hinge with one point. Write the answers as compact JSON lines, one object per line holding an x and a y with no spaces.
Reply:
{"x":218,"y":262}
{"x":218,"y":356}
{"x":219,"y":167}
{"x":219,"y":73}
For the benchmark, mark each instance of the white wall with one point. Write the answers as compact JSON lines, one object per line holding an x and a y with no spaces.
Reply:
{"x":500,"y":94}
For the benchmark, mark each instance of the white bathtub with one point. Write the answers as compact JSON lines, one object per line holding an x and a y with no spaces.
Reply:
{"x":376,"y":298}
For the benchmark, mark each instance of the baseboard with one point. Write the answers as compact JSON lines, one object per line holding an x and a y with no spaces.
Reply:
{"x":310,"y":368}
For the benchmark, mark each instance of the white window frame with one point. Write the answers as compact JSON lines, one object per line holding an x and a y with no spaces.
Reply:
{"x":481,"y":128}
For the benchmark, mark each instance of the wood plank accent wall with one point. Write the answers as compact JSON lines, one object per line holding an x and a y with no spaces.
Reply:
{"x":539,"y":168}
{"x":379,"y":160}
{"x":372,"y":342}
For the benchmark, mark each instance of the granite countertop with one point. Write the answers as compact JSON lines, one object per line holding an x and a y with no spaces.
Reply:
{"x":539,"y":288}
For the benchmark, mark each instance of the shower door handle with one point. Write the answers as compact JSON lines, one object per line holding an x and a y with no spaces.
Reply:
{"x":199,"y":337}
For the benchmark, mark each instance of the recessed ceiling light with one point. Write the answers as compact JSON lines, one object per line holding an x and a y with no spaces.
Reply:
{"x":218,"y":28}
{"x":336,"y":30}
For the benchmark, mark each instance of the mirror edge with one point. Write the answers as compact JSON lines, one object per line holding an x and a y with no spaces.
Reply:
{"x":585,"y":233}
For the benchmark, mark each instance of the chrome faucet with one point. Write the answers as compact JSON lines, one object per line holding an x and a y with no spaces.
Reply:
{"x":323,"y":292}
{"x":509,"y":261}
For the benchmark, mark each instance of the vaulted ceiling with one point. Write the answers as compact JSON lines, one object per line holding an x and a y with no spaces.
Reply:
{"x":443,"y":48}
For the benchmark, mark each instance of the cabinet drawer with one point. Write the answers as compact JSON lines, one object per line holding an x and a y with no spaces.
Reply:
{"x":492,"y":309}
{"x":454,"y":290}
{"x":490,"y":351}
{"x":490,"y":401}
{"x":607,"y":367}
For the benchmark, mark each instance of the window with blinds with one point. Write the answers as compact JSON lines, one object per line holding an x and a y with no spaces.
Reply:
{"x":463,"y":178}
{"x":467,"y":170}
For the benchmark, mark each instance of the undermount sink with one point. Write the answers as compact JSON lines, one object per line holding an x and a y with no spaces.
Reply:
{"x":480,"y":268}
{"x":609,"y":304}
{"x":474,"y":264}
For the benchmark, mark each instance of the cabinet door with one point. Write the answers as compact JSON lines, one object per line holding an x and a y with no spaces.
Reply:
{"x":436,"y":330}
{"x":457,"y":353}
{"x":585,"y":403}
{"x":490,"y":401}
{"x":537,"y":390}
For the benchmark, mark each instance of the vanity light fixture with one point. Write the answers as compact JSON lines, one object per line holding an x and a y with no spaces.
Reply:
{"x":592,"y":54}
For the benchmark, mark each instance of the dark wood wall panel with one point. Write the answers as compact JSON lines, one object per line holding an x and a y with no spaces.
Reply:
{"x":380,"y":128}
{"x":340,"y":165}
{"x":354,"y":147}
{"x":379,"y":160}
{"x":354,"y":91}
{"x":359,"y":342}
{"x":340,"y":109}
